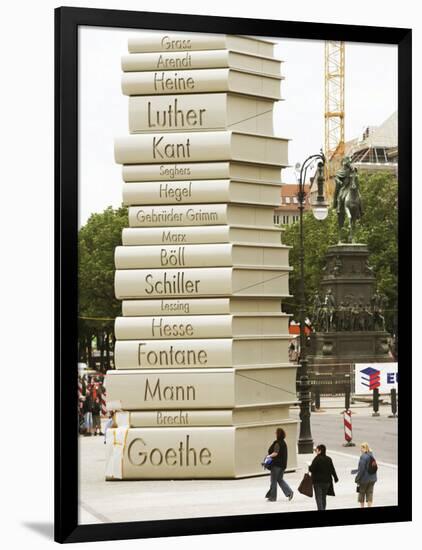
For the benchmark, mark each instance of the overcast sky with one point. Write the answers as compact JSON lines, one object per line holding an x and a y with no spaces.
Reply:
{"x":370,"y":98}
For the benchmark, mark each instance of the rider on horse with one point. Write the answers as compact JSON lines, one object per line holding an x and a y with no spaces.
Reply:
{"x":343,"y":180}
{"x":346,"y":200}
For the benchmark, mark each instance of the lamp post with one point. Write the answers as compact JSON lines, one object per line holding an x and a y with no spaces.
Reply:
{"x":320,"y":211}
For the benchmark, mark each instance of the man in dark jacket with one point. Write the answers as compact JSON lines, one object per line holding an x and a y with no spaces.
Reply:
{"x":278,"y":453}
{"x":322,"y":470}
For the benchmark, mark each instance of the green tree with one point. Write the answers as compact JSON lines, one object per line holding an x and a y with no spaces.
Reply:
{"x":98,"y":307}
{"x":378,"y":229}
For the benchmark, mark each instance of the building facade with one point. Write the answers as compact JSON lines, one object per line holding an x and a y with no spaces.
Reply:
{"x":288,"y":211}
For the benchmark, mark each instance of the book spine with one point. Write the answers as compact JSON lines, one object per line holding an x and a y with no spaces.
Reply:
{"x":168,"y":256}
{"x":205,"y":191}
{"x":170,"y":61}
{"x":175,"y":42}
{"x":197,"y":326}
{"x":179,"y":171}
{"x":164,"y":389}
{"x":145,"y":283}
{"x":199,"y":112}
{"x":200,"y":353}
{"x":132,"y":236}
{"x":200,"y":214}
{"x":164,"y":452}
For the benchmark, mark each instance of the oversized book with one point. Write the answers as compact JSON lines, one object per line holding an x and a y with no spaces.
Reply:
{"x":201,"y":255}
{"x":202,"y":417}
{"x":212,"y":388}
{"x":201,"y":326}
{"x":135,"y":236}
{"x":208,"y":59}
{"x":200,"y":353}
{"x":200,"y":191}
{"x":201,"y":81}
{"x":200,"y":147}
{"x":201,"y":282}
{"x":204,"y":306}
{"x":176,"y":42}
{"x":200,"y":214}
{"x":199,"y":112}
{"x":258,"y":173}
{"x":193,"y":452}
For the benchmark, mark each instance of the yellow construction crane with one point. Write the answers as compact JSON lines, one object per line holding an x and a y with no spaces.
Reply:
{"x":334,"y":111}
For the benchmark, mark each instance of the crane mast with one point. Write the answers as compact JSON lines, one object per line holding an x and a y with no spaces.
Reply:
{"x":334,"y":111}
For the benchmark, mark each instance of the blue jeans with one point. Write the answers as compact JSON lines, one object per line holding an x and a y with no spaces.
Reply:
{"x":88,"y":420}
{"x":277,"y":473}
{"x":321,"y":490}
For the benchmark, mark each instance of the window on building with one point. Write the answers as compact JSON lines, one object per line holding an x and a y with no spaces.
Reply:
{"x":276,"y":219}
{"x":287,"y":200}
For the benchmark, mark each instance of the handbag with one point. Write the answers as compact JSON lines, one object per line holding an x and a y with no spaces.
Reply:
{"x":330,"y":491}
{"x":267,"y":463}
{"x":306,"y":487}
{"x":357,"y":489}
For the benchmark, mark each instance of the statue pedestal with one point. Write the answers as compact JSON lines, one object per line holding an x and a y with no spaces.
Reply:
{"x":350,"y":278}
{"x":334,"y":352}
{"x":348,"y":274}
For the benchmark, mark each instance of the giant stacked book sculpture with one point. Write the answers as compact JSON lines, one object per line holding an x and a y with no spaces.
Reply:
{"x":202,"y":376}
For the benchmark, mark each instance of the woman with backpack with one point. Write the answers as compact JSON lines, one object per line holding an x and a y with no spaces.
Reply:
{"x":366,"y":476}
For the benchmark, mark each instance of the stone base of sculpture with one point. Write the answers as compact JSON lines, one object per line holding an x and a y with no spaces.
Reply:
{"x":347,"y":314}
{"x":334,"y":352}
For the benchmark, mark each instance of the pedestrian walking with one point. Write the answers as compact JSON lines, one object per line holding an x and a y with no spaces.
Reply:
{"x":322,"y":471}
{"x":87,"y":410}
{"x":366,"y":476}
{"x":278,"y":453}
{"x":96,"y":416}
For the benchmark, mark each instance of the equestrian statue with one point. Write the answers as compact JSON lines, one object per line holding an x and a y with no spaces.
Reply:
{"x":347,"y":200}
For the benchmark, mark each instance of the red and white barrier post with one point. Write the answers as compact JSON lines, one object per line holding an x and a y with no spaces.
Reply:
{"x":80,"y":392}
{"x":348,"y":433}
{"x":103,"y":401}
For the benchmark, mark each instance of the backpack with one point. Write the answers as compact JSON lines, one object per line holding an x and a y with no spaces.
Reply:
{"x":372,"y":466}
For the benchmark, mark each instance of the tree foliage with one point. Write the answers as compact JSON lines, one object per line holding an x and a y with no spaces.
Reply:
{"x":97,"y":305}
{"x":378,"y":229}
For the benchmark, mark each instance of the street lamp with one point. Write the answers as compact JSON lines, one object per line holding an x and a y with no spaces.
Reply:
{"x":320,"y":211}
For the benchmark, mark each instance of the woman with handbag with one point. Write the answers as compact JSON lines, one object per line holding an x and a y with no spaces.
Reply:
{"x":322,"y":471}
{"x":278,"y":453}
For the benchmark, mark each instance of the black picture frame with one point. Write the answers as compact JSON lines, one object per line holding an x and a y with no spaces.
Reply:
{"x":67,"y":21}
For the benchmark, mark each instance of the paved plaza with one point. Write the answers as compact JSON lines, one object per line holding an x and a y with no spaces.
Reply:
{"x":119,"y":501}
